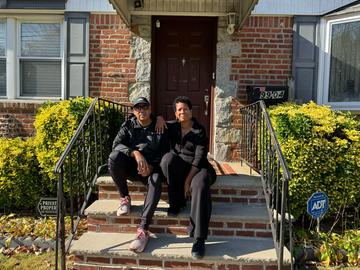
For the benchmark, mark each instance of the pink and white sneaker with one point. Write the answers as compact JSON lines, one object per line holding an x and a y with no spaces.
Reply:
{"x":139,"y":243}
{"x":124,"y":207}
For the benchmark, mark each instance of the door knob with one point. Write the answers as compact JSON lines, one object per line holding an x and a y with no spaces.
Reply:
{"x":206,"y":99}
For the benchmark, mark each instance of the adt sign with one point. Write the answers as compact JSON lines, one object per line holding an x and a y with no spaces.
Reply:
{"x":318,"y":204}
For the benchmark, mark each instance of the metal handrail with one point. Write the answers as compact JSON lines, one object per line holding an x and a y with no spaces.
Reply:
{"x":260,"y":149}
{"x":80,"y":164}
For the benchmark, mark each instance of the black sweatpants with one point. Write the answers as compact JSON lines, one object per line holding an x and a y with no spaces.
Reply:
{"x":121,"y":168}
{"x":175,"y":169}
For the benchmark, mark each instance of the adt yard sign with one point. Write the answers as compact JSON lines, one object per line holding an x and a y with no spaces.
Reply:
{"x":318,"y":204}
{"x":47,"y":206}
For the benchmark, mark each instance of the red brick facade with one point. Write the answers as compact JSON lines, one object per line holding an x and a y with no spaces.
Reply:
{"x":16,"y":119}
{"x":111,"y":66}
{"x":266,"y":58}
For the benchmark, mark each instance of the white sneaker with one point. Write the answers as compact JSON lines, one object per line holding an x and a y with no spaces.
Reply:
{"x":124,"y":207}
{"x":139,"y":243}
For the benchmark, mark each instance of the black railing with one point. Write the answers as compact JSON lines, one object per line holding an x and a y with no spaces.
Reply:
{"x":84,"y":158}
{"x":260,"y":149}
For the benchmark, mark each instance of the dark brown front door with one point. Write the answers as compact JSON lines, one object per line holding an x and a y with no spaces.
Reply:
{"x":184,"y":54}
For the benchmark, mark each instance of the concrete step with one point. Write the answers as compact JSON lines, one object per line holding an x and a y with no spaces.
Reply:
{"x":95,"y":251}
{"x":242,"y":188}
{"x":227,"y":219}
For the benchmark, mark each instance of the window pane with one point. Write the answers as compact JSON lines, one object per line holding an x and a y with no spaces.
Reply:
{"x":40,"y":39}
{"x":344,"y":84}
{"x":2,"y":77}
{"x":2,"y":38}
{"x":40,"y":78}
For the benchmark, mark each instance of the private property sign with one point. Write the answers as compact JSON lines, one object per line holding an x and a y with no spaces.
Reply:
{"x":318,"y":204}
{"x":47,"y":206}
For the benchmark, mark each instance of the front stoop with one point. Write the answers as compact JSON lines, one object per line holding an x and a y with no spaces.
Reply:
{"x":227,"y":219}
{"x":227,"y":188}
{"x":239,"y":232}
{"x":110,"y":251}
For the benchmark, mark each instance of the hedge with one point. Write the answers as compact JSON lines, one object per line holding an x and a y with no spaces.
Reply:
{"x":20,"y":180}
{"x":26,"y":166}
{"x":322,"y":150}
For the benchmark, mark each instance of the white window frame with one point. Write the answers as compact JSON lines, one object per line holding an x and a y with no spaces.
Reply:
{"x":324,"y":62}
{"x":13,"y":52}
{"x":5,"y":56}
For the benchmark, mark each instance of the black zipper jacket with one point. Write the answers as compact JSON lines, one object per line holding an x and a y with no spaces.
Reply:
{"x":132,"y":136}
{"x":193,"y":148}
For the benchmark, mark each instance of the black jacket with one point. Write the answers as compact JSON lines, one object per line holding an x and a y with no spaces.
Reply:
{"x":132,"y":136}
{"x":193,"y":148}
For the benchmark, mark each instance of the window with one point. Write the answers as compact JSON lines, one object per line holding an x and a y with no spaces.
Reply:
{"x":40,"y":60}
{"x":344,"y":79}
{"x":32,"y":57}
{"x":2,"y":58}
{"x":340,"y":67}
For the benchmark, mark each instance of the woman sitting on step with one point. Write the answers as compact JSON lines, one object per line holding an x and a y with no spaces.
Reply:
{"x":188,"y":172}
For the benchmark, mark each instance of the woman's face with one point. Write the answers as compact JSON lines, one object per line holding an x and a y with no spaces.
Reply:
{"x":182,"y":112}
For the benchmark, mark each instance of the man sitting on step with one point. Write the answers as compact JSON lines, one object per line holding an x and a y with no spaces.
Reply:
{"x":136,"y":154}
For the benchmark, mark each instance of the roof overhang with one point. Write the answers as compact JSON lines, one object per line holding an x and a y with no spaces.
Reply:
{"x":213,"y":8}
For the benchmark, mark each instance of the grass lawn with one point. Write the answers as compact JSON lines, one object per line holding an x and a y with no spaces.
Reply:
{"x":23,"y":261}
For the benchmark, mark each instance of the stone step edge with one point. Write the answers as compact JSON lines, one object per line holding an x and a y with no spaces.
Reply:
{"x":224,"y":181}
{"x":108,"y":209}
{"x":219,"y":249}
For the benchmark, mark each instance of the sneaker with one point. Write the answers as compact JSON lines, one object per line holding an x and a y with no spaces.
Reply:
{"x":139,"y":243}
{"x":198,"y":248}
{"x":124,"y":207}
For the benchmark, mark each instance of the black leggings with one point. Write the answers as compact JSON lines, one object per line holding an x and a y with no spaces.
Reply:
{"x":175,"y":169}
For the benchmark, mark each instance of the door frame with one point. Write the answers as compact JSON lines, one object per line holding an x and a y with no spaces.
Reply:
{"x":213,"y":22}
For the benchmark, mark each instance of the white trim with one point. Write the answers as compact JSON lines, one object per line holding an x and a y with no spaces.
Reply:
{"x":324,"y":63}
{"x":5,"y":55}
{"x":11,"y":81}
{"x":31,"y":12}
{"x":64,"y":64}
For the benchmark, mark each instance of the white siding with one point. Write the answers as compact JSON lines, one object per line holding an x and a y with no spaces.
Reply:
{"x":268,"y":7}
{"x":89,"y":5}
{"x":298,"y":7}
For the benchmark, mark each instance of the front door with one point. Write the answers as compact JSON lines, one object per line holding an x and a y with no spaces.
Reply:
{"x":184,"y":64}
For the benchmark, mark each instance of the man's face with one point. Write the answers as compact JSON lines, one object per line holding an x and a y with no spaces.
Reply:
{"x":142,"y":111}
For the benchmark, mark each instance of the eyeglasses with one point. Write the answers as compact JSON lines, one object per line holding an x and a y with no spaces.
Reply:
{"x":141,"y":107}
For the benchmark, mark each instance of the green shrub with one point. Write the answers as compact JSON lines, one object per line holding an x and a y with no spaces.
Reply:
{"x":322,"y":149}
{"x":55,"y":123}
{"x":20,"y":181}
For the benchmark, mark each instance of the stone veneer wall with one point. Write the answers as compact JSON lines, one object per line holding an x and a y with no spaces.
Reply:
{"x":119,"y":58}
{"x":259,"y":54}
{"x":16,"y":118}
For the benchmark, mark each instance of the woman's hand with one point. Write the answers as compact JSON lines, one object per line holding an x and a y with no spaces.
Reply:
{"x":187,"y":185}
{"x":160,"y":125}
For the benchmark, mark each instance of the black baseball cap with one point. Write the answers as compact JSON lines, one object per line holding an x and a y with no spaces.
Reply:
{"x":141,"y":100}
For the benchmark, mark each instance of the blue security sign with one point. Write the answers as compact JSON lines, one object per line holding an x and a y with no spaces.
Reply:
{"x":318,"y":204}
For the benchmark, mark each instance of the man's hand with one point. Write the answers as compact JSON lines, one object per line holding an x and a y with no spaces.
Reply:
{"x":142,"y":165}
{"x":160,"y":125}
{"x":148,"y":171}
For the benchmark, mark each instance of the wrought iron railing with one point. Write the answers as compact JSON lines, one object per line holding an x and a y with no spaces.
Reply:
{"x":80,"y":164}
{"x":260,"y":149}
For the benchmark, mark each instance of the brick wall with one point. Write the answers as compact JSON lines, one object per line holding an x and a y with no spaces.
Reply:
{"x":16,"y":119}
{"x":266,"y":58}
{"x":111,"y":66}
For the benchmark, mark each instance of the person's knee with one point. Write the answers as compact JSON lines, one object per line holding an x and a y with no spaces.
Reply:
{"x":167,"y":160}
{"x":117,"y":159}
{"x":200,"y":181}
{"x":155,"y":180}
